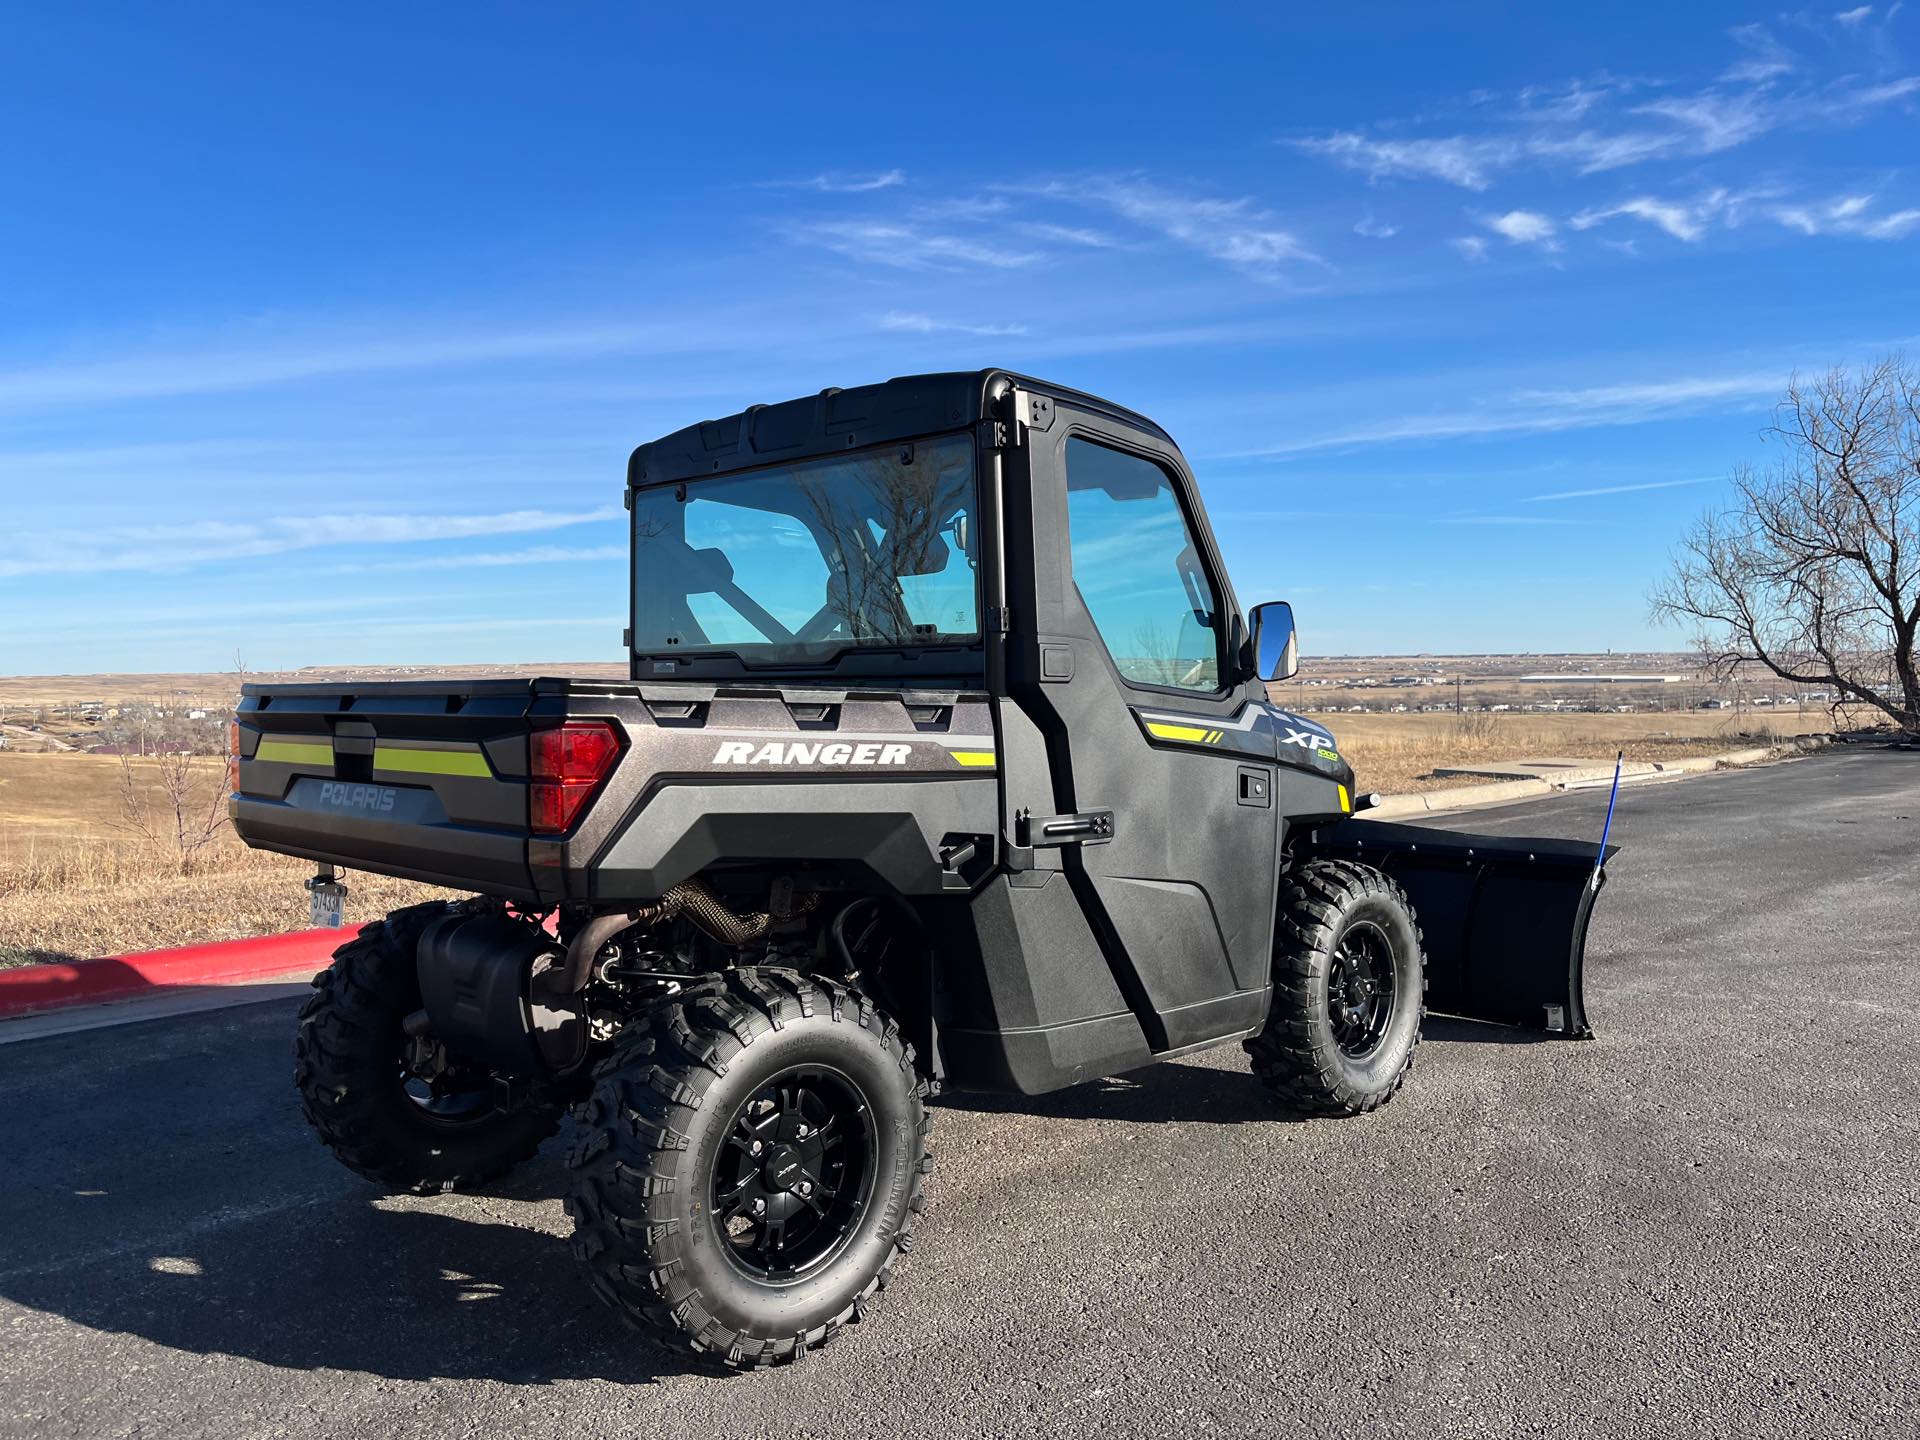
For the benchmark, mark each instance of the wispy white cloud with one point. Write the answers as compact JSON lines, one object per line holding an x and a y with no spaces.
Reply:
{"x":219,"y":364}
{"x":1711,"y":121}
{"x":1848,"y":215}
{"x":1469,"y":162}
{"x":1534,"y":411}
{"x":1575,"y":99}
{"x":1021,"y":225}
{"x":483,"y":559}
{"x":1505,"y":520}
{"x":1238,"y":231}
{"x":145,"y":457}
{"x":173,"y":547}
{"x":1080,"y":235}
{"x":1474,"y":247}
{"x":906,"y":244}
{"x":1592,"y":128}
{"x":1646,"y":397}
{"x":1869,"y":96}
{"x":1619,"y":489}
{"x":1524,"y":227}
{"x":1677,"y":220}
{"x":832,"y":184}
{"x":1855,"y":16}
{"x":1474,"y":162}
{"x":1690,"y":220}
{"x":1764,"y":57}
{"x":1373,"y":229}
{"x":917,"y":324}
{"x":1684,"y":220}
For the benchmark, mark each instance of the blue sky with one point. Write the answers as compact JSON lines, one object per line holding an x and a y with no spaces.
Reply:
{"x":325,"y":331}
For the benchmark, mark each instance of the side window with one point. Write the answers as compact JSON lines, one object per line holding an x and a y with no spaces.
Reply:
{"x":1138,"y":571}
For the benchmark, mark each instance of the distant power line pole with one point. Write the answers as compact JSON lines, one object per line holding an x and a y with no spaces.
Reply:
{"x":1456,"y":694}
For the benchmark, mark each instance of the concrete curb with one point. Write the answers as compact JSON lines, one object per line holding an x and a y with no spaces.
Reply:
{"x":1506,"y":792}
{"x":31,"y":989}
{"x":1456,"y":797}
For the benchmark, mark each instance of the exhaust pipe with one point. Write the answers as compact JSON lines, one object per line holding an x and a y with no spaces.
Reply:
{"x":691,"y":898}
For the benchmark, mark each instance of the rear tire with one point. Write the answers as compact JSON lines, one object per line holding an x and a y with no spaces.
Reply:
{"x":1349,"y":991}
{"x":750,"y":1166}
{"x":379,"y":1122}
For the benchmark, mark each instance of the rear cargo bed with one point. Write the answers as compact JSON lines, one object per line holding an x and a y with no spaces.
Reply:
{"x":426,"y":780}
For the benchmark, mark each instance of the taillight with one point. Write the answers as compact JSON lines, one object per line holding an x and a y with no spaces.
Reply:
{"x":568,"y":763}
{"x":233,"y":757}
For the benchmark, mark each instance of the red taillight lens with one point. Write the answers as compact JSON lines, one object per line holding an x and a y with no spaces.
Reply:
{"x":568,"y":763}
{"x":233,"y":757}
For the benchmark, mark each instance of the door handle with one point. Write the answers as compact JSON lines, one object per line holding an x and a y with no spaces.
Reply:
{"x":1090,"y":827}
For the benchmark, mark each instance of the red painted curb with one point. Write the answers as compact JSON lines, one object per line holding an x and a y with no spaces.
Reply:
{"x":32,"y":988}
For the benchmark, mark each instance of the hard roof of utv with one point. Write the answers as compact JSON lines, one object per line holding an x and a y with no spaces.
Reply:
{"x":833,"y":420}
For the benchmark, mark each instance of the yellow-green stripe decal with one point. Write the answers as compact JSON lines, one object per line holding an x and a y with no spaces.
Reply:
{"x":296,"y":752}
{"x":1160,"y":730}
{"x":1346,"y":802}
{"x":401,"y":760}
{"x":976,"y":759}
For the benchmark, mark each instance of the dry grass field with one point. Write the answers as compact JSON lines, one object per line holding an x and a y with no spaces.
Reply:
{"x":80,"y":877}
{"x":1396,"y":754}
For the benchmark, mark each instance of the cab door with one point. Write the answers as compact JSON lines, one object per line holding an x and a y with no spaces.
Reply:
{"x":1160,"y":759}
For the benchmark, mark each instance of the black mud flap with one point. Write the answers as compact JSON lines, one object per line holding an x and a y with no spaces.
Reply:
{"x":1504,"y":918}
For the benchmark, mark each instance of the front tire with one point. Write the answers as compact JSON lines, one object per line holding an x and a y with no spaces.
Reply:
{"x":380,"y":1119}
{"x":1349,"y":991}
{"x":750,"y":1166}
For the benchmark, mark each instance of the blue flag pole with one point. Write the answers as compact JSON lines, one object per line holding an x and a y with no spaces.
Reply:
{"x":1605,"y":830}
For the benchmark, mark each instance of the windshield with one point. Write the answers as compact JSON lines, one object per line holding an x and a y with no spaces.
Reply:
{"x":800,"y":562}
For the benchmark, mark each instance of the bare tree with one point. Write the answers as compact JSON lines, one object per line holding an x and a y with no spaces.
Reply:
{"x":189,"y":811}
{"x":1814,"y":572}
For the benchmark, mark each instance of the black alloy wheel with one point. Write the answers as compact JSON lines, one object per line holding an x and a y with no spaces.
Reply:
{"x":1360,"y":988}
{"x":796,"y":1174}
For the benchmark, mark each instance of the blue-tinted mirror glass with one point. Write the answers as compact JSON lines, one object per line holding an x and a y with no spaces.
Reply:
{"x":1275,"y":653}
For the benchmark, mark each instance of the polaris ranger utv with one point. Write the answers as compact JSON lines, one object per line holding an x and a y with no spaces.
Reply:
{"x":946,"y":760}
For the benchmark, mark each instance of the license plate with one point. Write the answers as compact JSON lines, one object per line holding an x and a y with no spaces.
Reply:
{"x":329,"y":905}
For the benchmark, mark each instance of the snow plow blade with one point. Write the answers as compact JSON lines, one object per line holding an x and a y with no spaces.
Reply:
{"x":1504,"y":918}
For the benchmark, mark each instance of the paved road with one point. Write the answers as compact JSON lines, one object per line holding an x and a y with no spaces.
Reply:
{"x":1705,"y":1222}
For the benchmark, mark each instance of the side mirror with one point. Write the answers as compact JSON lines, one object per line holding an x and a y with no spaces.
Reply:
{"x":1276,"y":647}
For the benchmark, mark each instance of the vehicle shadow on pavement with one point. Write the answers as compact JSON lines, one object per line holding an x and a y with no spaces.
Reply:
{"x":1182,"y":1092}
{"x":1450,"y":1030}
{"x":1176,"y":1092}
{"x":404,"y":1289}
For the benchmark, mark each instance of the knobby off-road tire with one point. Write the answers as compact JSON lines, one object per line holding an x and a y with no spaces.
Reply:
{"x":348,"y":1067}
{"x":1349,"y":991}
{"x":711,"y":1114}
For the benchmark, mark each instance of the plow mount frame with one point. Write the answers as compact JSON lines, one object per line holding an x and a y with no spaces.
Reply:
{"x":1504,"y":918}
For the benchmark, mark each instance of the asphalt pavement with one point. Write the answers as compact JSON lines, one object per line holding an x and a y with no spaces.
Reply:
{"x":1705,"y":1221}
